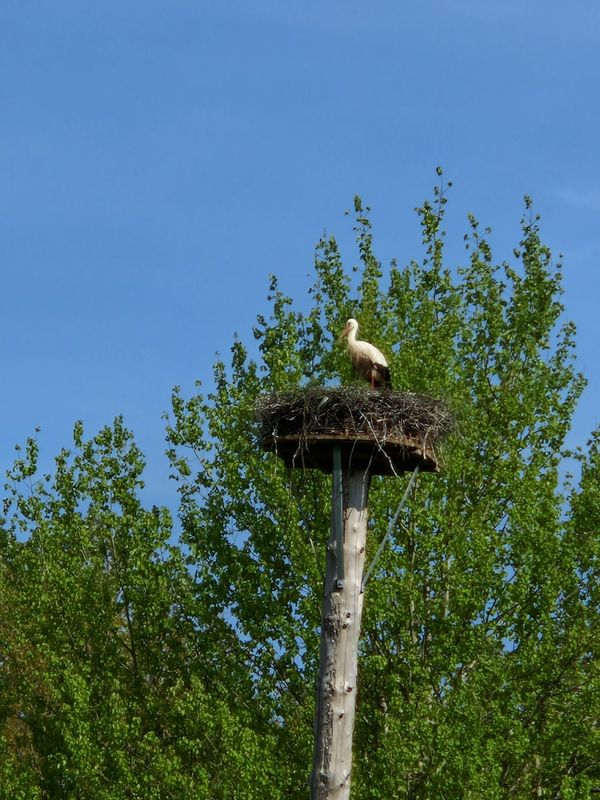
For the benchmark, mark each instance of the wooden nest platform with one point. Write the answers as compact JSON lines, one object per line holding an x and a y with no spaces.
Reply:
{"x":385,"y":431}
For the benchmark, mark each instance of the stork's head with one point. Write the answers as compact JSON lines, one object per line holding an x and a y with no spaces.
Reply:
{"x":351,"y":325}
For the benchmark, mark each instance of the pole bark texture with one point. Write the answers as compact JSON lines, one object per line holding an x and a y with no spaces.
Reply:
{"x":340,"y":632}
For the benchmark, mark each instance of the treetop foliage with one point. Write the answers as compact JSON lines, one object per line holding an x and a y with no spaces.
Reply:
{"x":137,"y":663}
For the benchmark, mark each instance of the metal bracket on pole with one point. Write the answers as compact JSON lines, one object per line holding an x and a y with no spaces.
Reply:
{"x":389,"y":530}
{"x":338,"y":515}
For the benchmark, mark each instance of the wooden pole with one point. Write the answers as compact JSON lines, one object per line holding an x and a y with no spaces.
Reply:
{"x":340,"y":632}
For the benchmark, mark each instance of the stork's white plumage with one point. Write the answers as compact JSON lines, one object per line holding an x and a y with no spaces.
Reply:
{"x":367,"y":360}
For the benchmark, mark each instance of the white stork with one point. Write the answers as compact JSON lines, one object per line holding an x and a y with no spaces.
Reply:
{"x":367,"y":360}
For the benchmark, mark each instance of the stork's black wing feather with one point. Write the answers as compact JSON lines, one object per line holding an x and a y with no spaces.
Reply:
{"x":385,"y":375}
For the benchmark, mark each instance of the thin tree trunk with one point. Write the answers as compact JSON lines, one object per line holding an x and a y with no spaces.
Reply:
{"x":340,"y":632}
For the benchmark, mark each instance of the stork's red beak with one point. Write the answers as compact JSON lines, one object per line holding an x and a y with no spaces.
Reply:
{"x":344,"y":333}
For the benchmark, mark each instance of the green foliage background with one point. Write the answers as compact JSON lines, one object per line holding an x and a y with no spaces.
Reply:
{"x":137,"y":665}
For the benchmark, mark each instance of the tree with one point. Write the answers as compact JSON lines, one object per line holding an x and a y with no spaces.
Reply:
{"x":468,"y":648}
{"x":135,"y":665}
{"x":109,"y":687}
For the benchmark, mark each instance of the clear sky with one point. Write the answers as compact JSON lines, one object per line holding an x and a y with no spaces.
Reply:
{"x":159,"y":159}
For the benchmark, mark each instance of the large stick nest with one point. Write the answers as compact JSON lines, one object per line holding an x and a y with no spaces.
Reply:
{"x":387,"y":431}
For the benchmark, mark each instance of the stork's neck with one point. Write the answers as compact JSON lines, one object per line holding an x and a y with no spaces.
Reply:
{"x":352,"y":335}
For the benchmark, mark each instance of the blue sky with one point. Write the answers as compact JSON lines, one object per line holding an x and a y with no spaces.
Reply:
{"x":160,"y":159}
